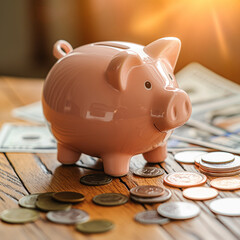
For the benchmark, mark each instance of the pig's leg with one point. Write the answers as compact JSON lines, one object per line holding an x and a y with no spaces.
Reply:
{"x":116,"y":164}
{"x":66,"y":155}
{"x":159,"y":154}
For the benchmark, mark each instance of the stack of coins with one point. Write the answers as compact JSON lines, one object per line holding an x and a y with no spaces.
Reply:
{"x":218,"y":164}
{"x":150,"y":194}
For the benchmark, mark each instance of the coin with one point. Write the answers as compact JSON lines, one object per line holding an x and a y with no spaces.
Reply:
{"x":70,"y":197}
{"x":71,"y":216}
{"x":219,"y":174}
{"x":200,"y":193}
{"x":45,"y":202}
{"x":96,"y":179}
{"x":147,"y":191}
{"x":226,"y":206}
{"x":28,"y":201}
{"x":166,"y":196}
{"x":19,"y":215}
{"x":218,"y":157}
{"x":221,"y":167}
{"x":185,"y":179}
{"x":149,"y":172}
{"x":151,"y":217}
{"x":188,"y":156}
{"x":178,"y":210}
{"x":110,"y":199}
{"x":226,"y":183}
{"x":197,"y":160}
{"x":95,"y":226}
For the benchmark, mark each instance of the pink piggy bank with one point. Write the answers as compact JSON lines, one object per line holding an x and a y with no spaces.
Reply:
{"x":114,"y":100}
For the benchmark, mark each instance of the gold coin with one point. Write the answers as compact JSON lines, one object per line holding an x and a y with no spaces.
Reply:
{"x":95,"y":226}
{"x":68,"y":197}
{"x":200,"y":193}
{"x":19,"y":215}
{"x":185,"y":179}
{"x":226,"y":183}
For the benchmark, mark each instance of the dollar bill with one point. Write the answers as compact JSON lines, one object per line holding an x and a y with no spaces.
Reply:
{"x":26,"y":138}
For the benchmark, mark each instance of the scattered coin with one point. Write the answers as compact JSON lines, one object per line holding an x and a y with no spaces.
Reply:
{"x":185,"y":179}
{"x":28,"y":201}
{"x":200,"y":193}
{"x":70,"y":197}
{"x":147,"y":191}
{"x":226,"y":183}
{"x":218,"y":157}
{"x":149,"y":172}
{"x":221,"y":167}
{"x":71,"y":216}
{"x":219,"y":174}
{"x":151,"y":217}
{"x":19,"y":215}
{"x":110,"y":199}
{"x":97,"y":179}
{"x":95,"y":226}
{"x":166,"y":196}
{"x":188,"y":156}
{"x":45,"y":202}
{"x":226,"y":206}
{"x":178,"y":210}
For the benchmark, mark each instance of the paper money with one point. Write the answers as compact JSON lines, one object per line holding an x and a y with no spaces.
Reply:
{"x":26,"y":138}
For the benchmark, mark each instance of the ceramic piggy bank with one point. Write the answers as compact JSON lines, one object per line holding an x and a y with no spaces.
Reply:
{"x":113,"y":100}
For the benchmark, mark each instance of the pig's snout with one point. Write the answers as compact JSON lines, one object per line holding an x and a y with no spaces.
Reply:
{"x":173,"y":111}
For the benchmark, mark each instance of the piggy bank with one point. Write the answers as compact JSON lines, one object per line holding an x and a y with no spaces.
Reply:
{"x":114,"y":100}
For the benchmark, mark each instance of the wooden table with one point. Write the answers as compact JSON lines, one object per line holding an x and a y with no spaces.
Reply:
{"x":26,"y":173}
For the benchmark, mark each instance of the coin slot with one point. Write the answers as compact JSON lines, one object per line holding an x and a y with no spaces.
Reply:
{"x":114,"y":45}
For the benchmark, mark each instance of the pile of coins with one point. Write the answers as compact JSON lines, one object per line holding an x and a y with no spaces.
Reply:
{"x":218,"y":164}
{"x":150,"y":194}
{"x":59,"y":210}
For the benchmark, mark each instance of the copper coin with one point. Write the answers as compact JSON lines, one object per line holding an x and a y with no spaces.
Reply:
{"x":147,"y":191}
{"x":69,"y":197}
{"x":185,"y":179}
{"x":149,"y":172}
{"x":200,"y":193}
{"x":166,"y":196}
{"x":226,"y":183}
{"x":96,"y":179}
{"x":220,"y":174}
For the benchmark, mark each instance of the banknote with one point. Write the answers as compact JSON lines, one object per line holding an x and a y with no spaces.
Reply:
{"x":204,"y":86}
{"x":26,"y":138}
{"x":32,"y":112}
{"x":203,"y":138}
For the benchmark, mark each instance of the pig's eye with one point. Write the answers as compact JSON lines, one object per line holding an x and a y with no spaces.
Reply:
{"x":170,"y":76}
{"x":148,"y":85}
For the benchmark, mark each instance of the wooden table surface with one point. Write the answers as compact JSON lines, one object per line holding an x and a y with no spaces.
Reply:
{"x":26,"y":173}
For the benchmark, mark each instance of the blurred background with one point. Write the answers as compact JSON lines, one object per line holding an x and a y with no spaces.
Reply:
{"x":209,"y":30}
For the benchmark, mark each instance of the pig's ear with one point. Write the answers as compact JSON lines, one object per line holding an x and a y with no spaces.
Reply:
{"x":166,"y":48}
{"x":119,"y":67}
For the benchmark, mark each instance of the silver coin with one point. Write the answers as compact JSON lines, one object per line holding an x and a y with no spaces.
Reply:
{"x":71,"y":216}
{"x":188,"y":156}
{"x":149,"y":172}
{"x":221,"y":167}
{"x":226,"y":206}
{"x":151,"y":217}
{"x":28,"y":201}
{"x":218,"y":157}
{"x":166,"y":196}
{"x":178,"y":210}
